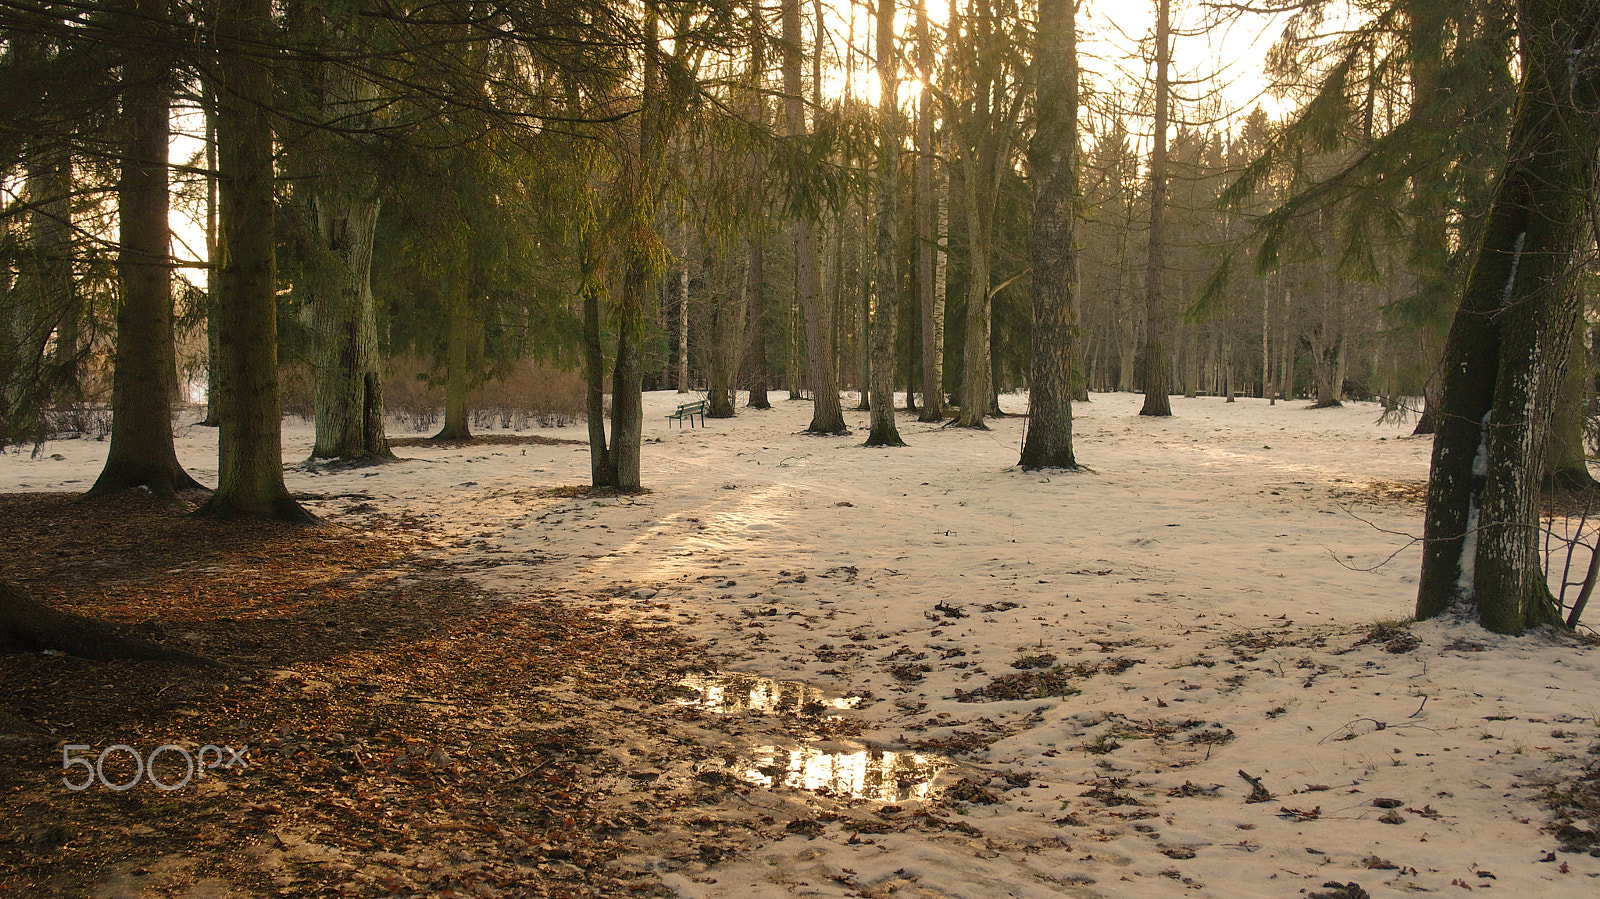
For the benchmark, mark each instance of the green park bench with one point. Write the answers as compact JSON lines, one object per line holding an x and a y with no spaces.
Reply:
{"x":688,"y":411}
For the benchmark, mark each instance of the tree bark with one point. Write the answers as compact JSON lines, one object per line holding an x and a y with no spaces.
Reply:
{"x":941,"y":271}
{"x":976,"y":386}
{"x":861,"y":327}
{"x":985,"y":155}
{"x":342,"y":203}
{"x":827,"y":414}
{"x":643,"y":261}
{"x":727,"y":349}
{"x":250,"y":438}
{"x":792,"y":375}
{"x":683,"y":315}
{"x":142,"y":452}
{"x":1052,"y":162}
{"x":758,"y":373}
{"x":932,"y":390}
{"x":1566,"y":458}
{"x":462,"y":348}
{"x":759,"y":370}
{"x":1157,"y":377}
{"x":886,"y":312}
{"x":208,"y":104}
{"x":627,"y":380}
{"x":1507,"y":347}
{"x":602,"y":472}
{"x":348,"y":387}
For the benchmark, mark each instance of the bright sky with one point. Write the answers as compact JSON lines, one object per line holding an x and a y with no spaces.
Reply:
{"x":1228,"y":57}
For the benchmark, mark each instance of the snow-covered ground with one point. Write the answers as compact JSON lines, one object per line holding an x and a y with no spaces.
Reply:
{"x":1207,"y":584}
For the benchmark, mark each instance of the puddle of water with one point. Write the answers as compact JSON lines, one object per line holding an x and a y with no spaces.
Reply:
{"x":730,"y":693}
{"x":845,"y":770}
{"x":840,"y":769}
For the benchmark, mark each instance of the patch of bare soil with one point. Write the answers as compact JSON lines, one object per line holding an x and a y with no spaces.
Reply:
{"x":488,"y":440}
{"x":1555,"y":503}
{"x":1384,"y":493}
{"x":382,"y":726}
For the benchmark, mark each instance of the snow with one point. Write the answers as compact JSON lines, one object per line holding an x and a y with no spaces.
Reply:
{"x":1233,"y":556}
{"x":1468,"y":564}
{"x":1516,"y":263}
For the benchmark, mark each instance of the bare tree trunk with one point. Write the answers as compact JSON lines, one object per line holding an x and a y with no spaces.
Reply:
{"x":941,"y":280}
{"x":983,"y":154}
{"x":885,"y":317}
{"x":757,"y":373}
{"x":1229,"y":378}
{"x":602,"y":471}
{"x":976,"y":386}
{"x":1266,"y":350}
{"x":250,"y":438}
{"x":759,"y":370}
{"x":341,"y":218}
{"x":627,"y":377}
{"x":1157,"y":377}
{"x":683,"y":314}
{"x":827,"y":415}
{"x":348,"y":377}
{"x":862,"y":331}
{"x":1566,"y":460}
{"x":463,"y":343}
{"x":640,"y":264}
{"x":213,"y":291}
{"x":1052,"y":159}
{"x":727,"y":329}
{"x":142,"y":452}
{"x":793,"y":376}
{"x":927,"y":191}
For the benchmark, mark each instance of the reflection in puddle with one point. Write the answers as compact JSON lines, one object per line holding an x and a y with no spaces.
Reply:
{"x":730,"y":692}
{"x":846,"y":770}
{"x":840,"y":769}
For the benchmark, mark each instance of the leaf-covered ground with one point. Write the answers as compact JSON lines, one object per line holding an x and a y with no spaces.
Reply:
{"x":406,"y":733}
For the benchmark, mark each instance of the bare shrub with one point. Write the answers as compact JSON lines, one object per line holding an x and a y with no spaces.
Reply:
{"x":526,"y":395}
{"x":406,"y":396}
{"x":294,"y":390}
{"x":529,"y":395}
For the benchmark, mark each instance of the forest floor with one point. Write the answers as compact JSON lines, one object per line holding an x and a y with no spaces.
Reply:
{"x":795,"y":668}
{"x":386,"y":727}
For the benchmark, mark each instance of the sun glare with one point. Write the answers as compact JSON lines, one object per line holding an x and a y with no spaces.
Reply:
{"x":1223,"y":61}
